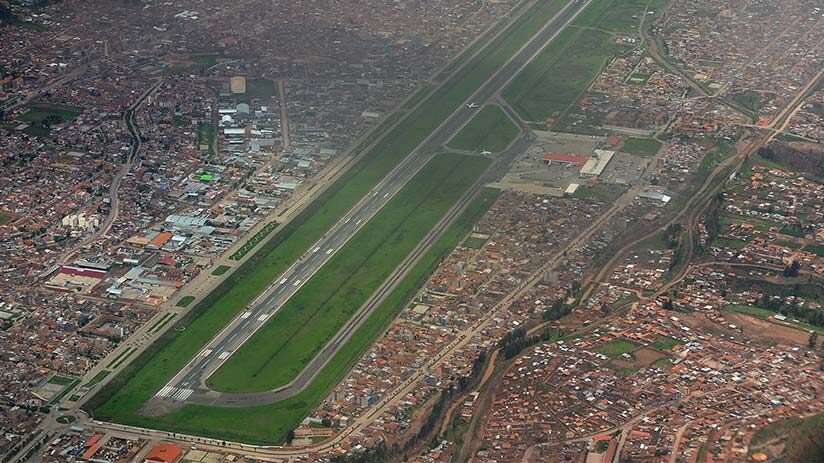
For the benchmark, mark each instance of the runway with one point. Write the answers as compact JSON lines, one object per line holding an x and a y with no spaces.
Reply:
{"x":188,"y":385}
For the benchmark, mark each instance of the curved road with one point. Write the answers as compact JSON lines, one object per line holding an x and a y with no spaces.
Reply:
{"x":114,"y":199}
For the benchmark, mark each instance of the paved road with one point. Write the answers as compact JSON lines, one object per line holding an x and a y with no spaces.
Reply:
{"x":114,"y":187}
{"x":191,"y":379}
{"x":189,"y":384}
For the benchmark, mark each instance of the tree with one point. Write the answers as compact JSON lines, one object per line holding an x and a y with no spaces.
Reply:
{"x":290,"y":436}
{"x":6,"y":14}
{"x":791,"y":271}
{"x":813,"y":339}
{"x":766,"y":153}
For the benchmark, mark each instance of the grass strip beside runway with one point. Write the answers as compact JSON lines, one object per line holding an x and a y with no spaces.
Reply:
{"x":268,"y":424}
{"x":281,"y":349}
{"x":490,"y":130}
{"x":121,"y":398}
{"x":560,"y":74}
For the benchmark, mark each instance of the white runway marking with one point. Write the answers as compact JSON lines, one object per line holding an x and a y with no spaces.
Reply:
{"x":175,"y":393}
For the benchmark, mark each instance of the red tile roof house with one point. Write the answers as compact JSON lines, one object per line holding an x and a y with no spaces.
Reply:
{"x":163,"y":453}
{"x":549,"y":158}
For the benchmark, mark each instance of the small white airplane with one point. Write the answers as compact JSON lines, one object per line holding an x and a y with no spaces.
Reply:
{"x":486,"y":153}
{"x":472,"y":105}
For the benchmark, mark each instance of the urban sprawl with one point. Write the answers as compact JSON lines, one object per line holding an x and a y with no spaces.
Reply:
{"x":426,"y":231}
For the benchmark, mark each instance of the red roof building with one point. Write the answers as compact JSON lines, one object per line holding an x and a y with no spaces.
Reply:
{"x":163,"y":453}
{"x":549,"y":158}
{"x":158,"y":241}
{"x":83,"y":272}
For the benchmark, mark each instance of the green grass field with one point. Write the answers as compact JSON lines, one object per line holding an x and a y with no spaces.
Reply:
{"x":162,"y":322}
{"x":253,"y":241}
{"x":815,"y":249}
{"x":749,"y":99}
{"x":220,"y":270}
{"x":30,"y":26}
{"x":474,"y":243}
{"x":205,"y":61}
{"x":606,"y":192}
{"x":646,"y":147}
{"x":664,"y":363}
{"x":489,"y":130}
{"x":185,"y":301}
{"x":122,"y":357}
{"x":205,"y":134}
{"x":665,"y":343}
{"x":558,"y":77}
{"x":97,"y":378}
{"x":123,"y":397}
{"x":4,"y":219}
{"x":750,"y":310}
{"x":42,"y":116}
{"x":66,"y":419}
{"x":420,"y":93}
{"x":715,"y":155}
{"x":67,"y":383}
{"x":616,"y":348}
{"x":60,"y":380}
{"x":280,"y":350}
{"x":258,"y":88}
{"x":198,"y":63}
{"x":730,"y":243}
{"x":764,"y":313}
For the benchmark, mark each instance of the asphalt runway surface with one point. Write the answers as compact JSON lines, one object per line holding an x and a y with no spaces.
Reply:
{"x":189,"y":384}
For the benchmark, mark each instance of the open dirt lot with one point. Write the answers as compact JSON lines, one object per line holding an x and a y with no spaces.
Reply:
{"x":750,"y":328}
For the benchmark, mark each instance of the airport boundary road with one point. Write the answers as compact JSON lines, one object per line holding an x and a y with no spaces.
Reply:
{"x":369,"y":142}
{"x":191,"y":379}
{"x":533,"y":45}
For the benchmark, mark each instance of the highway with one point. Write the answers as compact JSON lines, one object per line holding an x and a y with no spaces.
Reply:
{"x":189,"y":384}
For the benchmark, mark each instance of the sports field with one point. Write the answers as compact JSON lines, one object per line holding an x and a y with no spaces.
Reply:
{"x":121,"y":399}
{"x":558,"y":77}
{"x":490,"y":130}
{"x":617,"y":348}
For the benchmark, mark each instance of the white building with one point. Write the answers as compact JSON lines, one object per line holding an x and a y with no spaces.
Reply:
{"x":596,"y":164}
